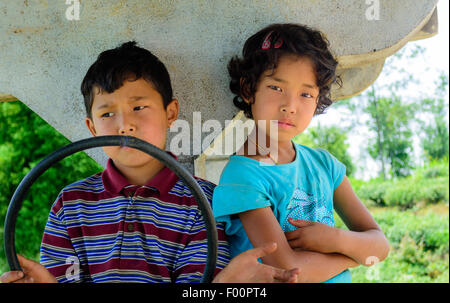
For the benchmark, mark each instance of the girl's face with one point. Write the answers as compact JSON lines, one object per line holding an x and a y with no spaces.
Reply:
{"x":288,"y":95}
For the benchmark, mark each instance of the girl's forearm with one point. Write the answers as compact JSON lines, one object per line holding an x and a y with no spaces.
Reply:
{"x":366,"y":247}
{"x":317,"y":267}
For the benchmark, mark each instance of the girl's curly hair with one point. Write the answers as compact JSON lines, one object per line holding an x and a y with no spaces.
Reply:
{"x":298,"y":40}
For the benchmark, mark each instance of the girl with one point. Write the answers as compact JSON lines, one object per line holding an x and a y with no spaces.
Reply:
{"x":282,"y":81}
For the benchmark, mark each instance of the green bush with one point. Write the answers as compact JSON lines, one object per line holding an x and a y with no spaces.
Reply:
{"x":432,"y":230}
{"x":435,"y":169}
{"x":429,"y":184}
{"x":402,"y":194}
{"x":373,"y":192}
{"x":409,"y":263}
{"x":356,"y":183}
{"x":419,"y":248}
{"x":434,"y":190}
{"x":24,"y":142}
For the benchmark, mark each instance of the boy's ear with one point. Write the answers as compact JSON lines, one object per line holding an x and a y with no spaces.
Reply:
{"x":172,"y":111}
{"x":90,"y":125}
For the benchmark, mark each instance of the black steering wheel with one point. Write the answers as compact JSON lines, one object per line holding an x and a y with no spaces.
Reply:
{"x":166,"y":159}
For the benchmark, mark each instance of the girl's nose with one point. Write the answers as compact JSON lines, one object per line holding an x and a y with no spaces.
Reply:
{"x":288,"y":105}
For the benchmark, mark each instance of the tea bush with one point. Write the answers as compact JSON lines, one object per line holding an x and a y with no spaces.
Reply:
{"x":428,"y":185}
{"x":419,"y":248}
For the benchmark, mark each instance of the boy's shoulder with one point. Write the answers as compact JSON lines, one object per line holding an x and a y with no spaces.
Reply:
{"x":181,"y":189}
{"x":84,"y":189}
{"x":90,"y":184}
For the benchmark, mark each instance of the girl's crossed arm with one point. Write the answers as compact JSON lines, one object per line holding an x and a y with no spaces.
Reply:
{"x":261,"y":227}
{"x":364,"y":241}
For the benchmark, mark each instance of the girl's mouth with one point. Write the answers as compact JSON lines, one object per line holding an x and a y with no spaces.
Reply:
{"x":283,"y":124}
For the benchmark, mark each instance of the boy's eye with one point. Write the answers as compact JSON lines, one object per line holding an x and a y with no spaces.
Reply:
{"x":106,"y":115}
{"x":274,"y":87}
{"x":139,"y":107}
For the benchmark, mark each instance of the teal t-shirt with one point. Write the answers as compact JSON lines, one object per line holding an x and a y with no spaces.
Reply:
{"x":302,"y":189}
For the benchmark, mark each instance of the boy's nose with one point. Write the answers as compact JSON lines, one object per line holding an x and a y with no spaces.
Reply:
{"x":127,"y":128}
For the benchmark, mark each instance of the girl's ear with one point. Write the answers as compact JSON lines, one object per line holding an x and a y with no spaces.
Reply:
{"x":90,"y":125}
{"x":245,"y":91}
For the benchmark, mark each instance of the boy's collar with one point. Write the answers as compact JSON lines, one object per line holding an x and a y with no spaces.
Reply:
{"x":115,"y":182}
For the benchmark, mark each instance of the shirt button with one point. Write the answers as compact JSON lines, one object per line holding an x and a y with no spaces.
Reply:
{"x":130,"y":227}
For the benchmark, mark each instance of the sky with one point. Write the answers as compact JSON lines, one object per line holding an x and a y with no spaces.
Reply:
{"x":426,"y":67}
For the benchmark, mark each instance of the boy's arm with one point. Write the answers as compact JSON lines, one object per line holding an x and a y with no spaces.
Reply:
{"x":57,"y":255}
{"x":57,"y":252}
{"x":191,"y":260}
{"x":362,"y":242}
{"x":261,"y":227}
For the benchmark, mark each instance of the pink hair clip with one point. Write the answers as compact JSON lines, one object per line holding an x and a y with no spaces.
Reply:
{"x":266,"y":43}
{"x":279,"y":43}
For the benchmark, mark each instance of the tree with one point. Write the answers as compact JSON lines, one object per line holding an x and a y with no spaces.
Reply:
{"x":389,"y":114}
{"x":390,"y":120}
{"x":435,"y":142}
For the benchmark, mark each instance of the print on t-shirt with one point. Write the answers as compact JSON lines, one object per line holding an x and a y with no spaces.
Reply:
{"x":306,"y":206}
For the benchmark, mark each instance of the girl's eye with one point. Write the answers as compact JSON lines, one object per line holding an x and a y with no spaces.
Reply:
{"x":139,"y":107}
{"x":106,"y":115}
{"x":274,"y":87}
{"x":306,"y":95}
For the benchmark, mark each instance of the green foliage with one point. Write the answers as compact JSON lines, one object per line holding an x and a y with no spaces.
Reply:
{"x":427,"y":185}
{"x":435,"y":142}
{"x":419,"y":248}
{"x":373,"y":192}
{"x":333,"y":139}
{"x":434,"y":169}
{"x":356,"y":183}
{"x":390,"y":118}
{"x":25,"y":139}
{"x":395,"y":110}
{"x":402,"y":194}
{"x":434,"y":191}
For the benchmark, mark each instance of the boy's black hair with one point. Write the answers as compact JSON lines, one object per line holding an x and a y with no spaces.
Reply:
{"x":126,"y":62}
{"x":295,"y":39}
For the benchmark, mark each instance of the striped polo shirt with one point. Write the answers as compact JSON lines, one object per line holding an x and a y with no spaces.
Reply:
{"x":103,"y":229}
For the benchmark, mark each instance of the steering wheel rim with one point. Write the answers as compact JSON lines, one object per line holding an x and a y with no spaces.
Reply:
{"x":166,"y":159}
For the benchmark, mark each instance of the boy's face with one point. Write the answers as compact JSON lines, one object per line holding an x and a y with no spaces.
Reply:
{"x":288,"y":95}
{"x":135,"y":109}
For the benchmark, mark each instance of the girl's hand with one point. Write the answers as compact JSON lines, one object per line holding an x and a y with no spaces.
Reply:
{"x":312,"y":236}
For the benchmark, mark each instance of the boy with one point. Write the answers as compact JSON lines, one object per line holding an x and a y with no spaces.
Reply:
{"x":135,"y":221}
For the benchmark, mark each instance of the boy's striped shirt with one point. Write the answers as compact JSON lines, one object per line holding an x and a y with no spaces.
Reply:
{"x":102,"y":229}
